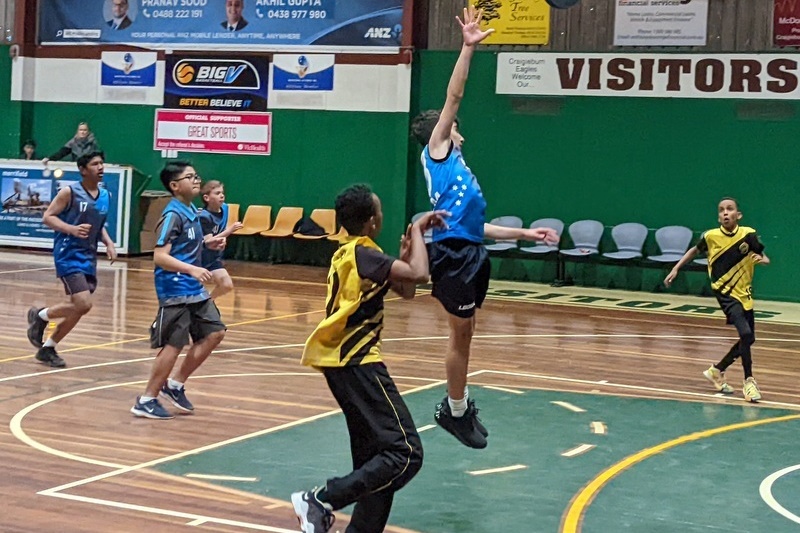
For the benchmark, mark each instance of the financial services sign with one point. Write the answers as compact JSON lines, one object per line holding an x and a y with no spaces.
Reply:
{"x":350,"y":25}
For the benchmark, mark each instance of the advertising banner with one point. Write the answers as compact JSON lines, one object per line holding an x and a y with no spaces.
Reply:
{"x":373,"y":25}
{"x":27,"y":189}
{"x":302,"y":72}
{"x":741,"y":76}
{"x":239,"y":84}
{"x":216,"y":132}
{"x":660,"y":22}
{"x":516,"y":21}
{"x":786,"y":23}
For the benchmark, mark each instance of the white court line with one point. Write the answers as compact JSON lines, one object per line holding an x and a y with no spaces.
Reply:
{"x":215,"y":477}
{"x":497,"y":470}
{"x":26,"y":270}
{"x":502,"y":389}
{"x":426,"y":428}
{"x":631,"y":387}
{"x":765,"y":490}
{"x":567,"y":405}
{"x":578,"y":450}
{"x":598,"y":428}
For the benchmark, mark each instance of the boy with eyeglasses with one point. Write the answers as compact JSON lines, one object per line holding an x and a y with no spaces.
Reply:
{"x":185,"y":307}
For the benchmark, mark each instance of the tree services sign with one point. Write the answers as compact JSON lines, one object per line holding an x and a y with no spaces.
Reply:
{"x":741,"y":76}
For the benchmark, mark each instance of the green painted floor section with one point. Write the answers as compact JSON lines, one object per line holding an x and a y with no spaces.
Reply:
{"x":709,"y":485}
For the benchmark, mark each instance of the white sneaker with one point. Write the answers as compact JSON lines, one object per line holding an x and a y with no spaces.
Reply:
{"x":750,"y":390}
{"x":717,"y":378}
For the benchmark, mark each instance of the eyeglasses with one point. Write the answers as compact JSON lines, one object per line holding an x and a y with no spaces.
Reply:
{"x":193,"y":177}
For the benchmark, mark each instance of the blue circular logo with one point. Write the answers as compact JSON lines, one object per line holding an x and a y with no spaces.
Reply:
{"x":128,"y":58}
{"x":302,"y":61}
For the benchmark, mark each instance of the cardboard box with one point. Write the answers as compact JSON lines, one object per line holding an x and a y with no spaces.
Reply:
{"x":147,"y":240}
{"x":152,"y":205}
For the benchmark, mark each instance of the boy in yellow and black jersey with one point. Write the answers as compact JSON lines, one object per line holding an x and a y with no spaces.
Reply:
{"x":346,"y":348}
{"x":733,"y":251}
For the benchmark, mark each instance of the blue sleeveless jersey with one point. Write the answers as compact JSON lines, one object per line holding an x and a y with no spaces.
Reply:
{"x":180,"y":227}
{"x":213,"y":224}
{"x":453,"y":187}
{"x":74,"y":255}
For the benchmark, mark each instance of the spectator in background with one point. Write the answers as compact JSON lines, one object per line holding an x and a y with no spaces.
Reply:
{"x":119,"y":14}
{"x":233,"y":13}
{"x":82,"y":143}
{"x":28,"y":150}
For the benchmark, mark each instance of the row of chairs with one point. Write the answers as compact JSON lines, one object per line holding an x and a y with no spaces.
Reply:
{"x":258,"y":221}
{"x":629,"y":239}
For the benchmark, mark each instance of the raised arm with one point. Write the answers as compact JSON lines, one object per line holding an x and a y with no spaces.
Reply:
{"x":439,"y":143}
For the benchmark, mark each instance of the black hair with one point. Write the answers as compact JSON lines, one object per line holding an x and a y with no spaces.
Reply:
{"x":354,"y":207}
{"x":84,"y":160}
{"x":29,"y":142}
{"x":172,"y":170}
{"x":732,"y":199}
{"x":423,"y":124}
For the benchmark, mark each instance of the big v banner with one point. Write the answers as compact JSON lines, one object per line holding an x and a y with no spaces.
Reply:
{"x":269,"y":24}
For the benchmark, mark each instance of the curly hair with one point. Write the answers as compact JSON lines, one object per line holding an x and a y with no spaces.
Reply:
{"x":354,"y":207}
{"x":423,"y":124}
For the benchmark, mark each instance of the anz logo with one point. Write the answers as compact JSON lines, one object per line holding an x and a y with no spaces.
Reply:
{"x":384,"y":32}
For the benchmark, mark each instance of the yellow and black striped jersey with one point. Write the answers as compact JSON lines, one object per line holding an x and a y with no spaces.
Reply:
{"x":730,"y":263}
{"x":350,"y":333}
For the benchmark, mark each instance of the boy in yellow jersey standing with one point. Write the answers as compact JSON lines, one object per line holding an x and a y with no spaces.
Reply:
{"x":733,"y":251}
{"x":346,"y":347}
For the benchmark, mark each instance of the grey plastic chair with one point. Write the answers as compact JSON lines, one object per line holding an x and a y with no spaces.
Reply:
{"x":586,"y":235}
{"x":428,"y":235}
{"x":673,"y":242}
{"x":541,"y":247}
{"x":501,"y":245}
{"x":629,"y":238}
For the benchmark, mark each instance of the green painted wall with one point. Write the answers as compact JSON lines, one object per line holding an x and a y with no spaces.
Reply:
{"x":314,"y":155}
{"x":655,"y":161}
{"x":10,"y":112}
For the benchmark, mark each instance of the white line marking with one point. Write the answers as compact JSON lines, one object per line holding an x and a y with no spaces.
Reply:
{"x":603,"y":381}
{"x":633,"y":387}
{"x":578,"y":450}
{"x":198,"y":522}
{"x":503,"y":389}
{"x":567,"y":405}
{"x":25,"y":270}
{"x":426,"y":428}
{"x":497,"y":470}
{"x":165,"y":512}
{"x":221,"y":478}
{"x":765,"y":490}
{"x":598,"y":428}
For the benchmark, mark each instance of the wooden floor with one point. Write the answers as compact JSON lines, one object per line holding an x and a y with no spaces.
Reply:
{"x":74,"y":459}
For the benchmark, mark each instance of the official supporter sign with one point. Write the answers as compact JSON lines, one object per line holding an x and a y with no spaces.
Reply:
{"x":786,"y":23}
{"x":215,"y":132}
{"x":352,"y":25}
{"x":239,"y":84}
{"x":27,"y":189}
{"x":754,"y":76}
{"x":660,"y":22}
{"x":517,"y":21}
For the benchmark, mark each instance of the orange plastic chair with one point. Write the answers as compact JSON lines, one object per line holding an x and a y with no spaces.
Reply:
{"x":256,"y":220}
{"x":339,"y":237}
{"x":326,"y":218}
{"x":233,"y":213}
{"x":285,"y":222}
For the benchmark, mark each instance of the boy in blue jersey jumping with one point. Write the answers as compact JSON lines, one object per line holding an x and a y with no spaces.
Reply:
{"x":459,"y":264}
{"x":215,"y":223}
{"x":77,"y":215}
{"x":185,"y":307}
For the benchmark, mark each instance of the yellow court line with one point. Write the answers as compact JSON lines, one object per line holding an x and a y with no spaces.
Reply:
{"x":573,"y":517}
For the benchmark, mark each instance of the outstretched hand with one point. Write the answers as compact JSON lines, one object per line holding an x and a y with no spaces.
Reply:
{"x":547,"y":235}
{"x":471,"y":26}
{"x":432,"y":219}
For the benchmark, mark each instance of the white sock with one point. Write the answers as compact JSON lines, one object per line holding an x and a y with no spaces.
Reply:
{"x":457,"y":407}
{"x":43,"y":315}
{"x":174,"y":385}
{"x":50,"y":343}
{"x":145,"y":399}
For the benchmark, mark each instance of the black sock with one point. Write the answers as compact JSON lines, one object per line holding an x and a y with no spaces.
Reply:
{"x":729,"y":358}
{"x":322,"y":495}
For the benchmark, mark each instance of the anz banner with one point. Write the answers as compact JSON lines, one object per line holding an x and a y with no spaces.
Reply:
{"x":239,"y":84}
{"x":351,"y":25}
